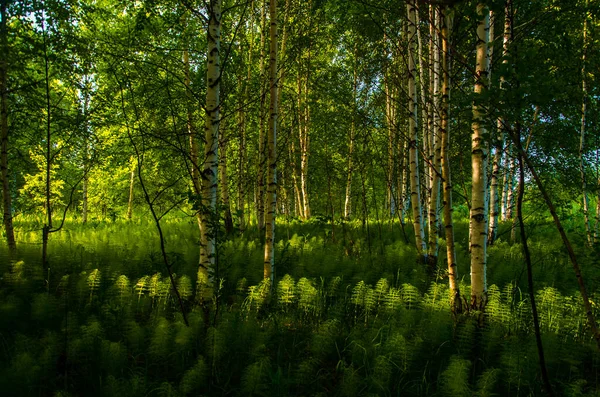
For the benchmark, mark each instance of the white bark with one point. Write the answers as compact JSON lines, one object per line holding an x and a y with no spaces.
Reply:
{"x":211,"y":154}
{"x":413,"y":127}
{"x":478,"y":221}
{"x":269,"y":262}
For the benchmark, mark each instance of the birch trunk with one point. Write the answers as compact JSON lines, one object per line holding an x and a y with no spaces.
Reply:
{"x":241,"y":169}
{"x":426,"y":133}
{"x":478,"y":224}
{"x":86,"y":126}
{"x":415,"y":188}
{"x":131,"y":181}
{"x":194,"y":149}
{"x":586,"y":210}
{"x":260,"y":200}
{"x":210,"y":165}
{"x":269,"y":262}
{"x":350,"y":172}
{"x":455,"y":300}
{"x":389,"y":197}
{"x":304,"y":151}
{"x":298,"y":207}
{"x":6,"y":197}
{"x":436,"y":163}
{"x":224,"y":180}
{"x":495,"y":210}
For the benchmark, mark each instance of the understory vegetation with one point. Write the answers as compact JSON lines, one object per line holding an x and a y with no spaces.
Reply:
{"x":351,"y":314}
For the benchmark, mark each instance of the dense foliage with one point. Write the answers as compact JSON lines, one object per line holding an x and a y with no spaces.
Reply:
{"x":146,"y":146}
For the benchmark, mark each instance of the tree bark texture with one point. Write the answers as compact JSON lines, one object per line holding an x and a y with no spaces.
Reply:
{"x":415,"y":188}
{"x":478,"y":221}
{"x":455,"y":300}
{"x":211,"y":154}
{"x":6,"y":197}
{"x":269,"y":262}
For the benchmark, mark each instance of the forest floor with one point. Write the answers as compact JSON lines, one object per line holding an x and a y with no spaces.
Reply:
{"x":352,"y":314}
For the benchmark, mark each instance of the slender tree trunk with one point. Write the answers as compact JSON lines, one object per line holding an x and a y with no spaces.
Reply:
{"x":597,"y":223}
{"x":495,"y":210}
{"x":298,"y":207}
{"x":304,"y":150}
{"x":415,"y":188}
{"x":242,"y":163}
{"x":224,"y":180}
{"x":436,"y":163}
{"x":206,"y":270}
{"x":260,"y":202}
{"x":478,"y":229}
{"x":194,"y":148}
{"x":389,"y":196}
{"x":586,"y":210}
{"x":84,"y":193}
{"x":6,"y":197}
{"x":536,"y":322}
{"x":269,"y":262}
{"x":131,"y":182}
{"x":572,"y":257}
{"x":507,"y":188}
{"x":455,"y":300}
{"x":351,"y":143}
{"x":48,"y":224}
{"x":86,"y":126}
{"x":425,"y":123}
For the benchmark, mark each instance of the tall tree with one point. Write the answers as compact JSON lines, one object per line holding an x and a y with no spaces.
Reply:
{"x":478,"y":215}
{"x":211,"y":153}
{"x":269,"y":262}
{"x":584,"y":100}
{"x":413,"y":128}
{"x":445,"y":26}
{"x":6,"y":194}
{"x":495,"y":208}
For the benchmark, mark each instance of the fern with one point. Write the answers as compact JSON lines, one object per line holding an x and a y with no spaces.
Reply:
{"x":154,"y":286}
{"x":358,"y":294}
{"x":411,"y":296}
{"x":286,"y":290}
{"x":437,"y":297}
{"x":254,"y":379}
{"x":550,"y":305}
{"x":184,"y":287}
{"x":307,"y":294}
{"x":393,"y":299}
{"x":334,"y":285}
{"x":257,"y":295}
{"x":382,"y":373}
{"x":455,"y":378}
{"x":160,"y":343}
{"x":381,"y":289}
{"x":93,"y":282}
{"x":194,"y":378}
{"x":142,"y":287}
{"x":123,"y":287}
{"x":486,"y":382}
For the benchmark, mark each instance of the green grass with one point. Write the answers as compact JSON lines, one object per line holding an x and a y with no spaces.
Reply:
{"x":352,"y":315}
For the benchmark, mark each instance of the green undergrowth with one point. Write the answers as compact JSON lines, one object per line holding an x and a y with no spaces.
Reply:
{"x":350,"y":314}
{"x":102,"y":333}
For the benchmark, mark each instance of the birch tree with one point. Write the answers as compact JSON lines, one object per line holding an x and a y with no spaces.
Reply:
{"x":478,"y":213}
{"x":584,"y":91}
{"x":413,"y":127}
{"x":269,"y":262}
{"x":211,"y":153}
{"x":6,"y":196}
{"x":495,"y":208}
{"x":445,"y":26}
